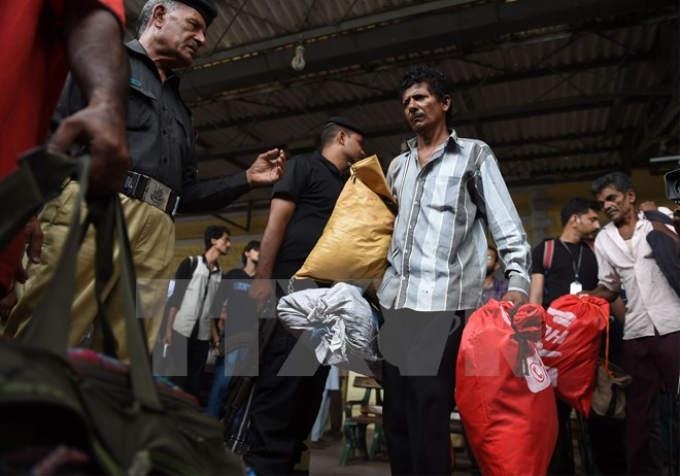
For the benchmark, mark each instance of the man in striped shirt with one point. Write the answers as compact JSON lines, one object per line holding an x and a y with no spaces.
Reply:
{"x":450,"y":194}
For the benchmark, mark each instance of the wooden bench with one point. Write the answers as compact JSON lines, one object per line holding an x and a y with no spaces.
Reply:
{"x":356,"y":423}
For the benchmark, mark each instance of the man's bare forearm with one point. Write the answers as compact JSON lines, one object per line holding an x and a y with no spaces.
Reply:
{"x":269,"y":250}
{"x":602,"y":292}
{"x":280,"y":214}
{"x":94,"y":43}
{"x":618,"y":310}
{"x":96,"y":53}
{"x":171,"y":319}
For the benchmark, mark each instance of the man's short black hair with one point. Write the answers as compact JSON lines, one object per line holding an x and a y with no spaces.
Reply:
{"x":577,"y":206}
{"x":252,"y":245}
{"x":618,"y":180}
{"x":214,"y":232}
{"x":328,"y":134}
{"x":439,"y":82}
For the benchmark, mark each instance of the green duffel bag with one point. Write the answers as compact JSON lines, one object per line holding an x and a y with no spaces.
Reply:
{"x":87,"y":413}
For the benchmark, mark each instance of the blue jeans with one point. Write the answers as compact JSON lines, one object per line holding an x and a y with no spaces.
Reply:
{"x":224,"y":370}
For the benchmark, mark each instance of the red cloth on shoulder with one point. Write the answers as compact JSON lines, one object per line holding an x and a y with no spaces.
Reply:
{"x":32,"y":73}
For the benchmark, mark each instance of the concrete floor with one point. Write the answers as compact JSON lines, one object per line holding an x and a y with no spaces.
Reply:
{"x":327,"y":462}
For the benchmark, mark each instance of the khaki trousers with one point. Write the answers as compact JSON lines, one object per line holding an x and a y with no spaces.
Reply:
{"x":152,"y":239}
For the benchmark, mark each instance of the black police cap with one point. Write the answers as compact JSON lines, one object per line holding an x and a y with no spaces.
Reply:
{"x":346,"y":123}
{"x":204,"y":7}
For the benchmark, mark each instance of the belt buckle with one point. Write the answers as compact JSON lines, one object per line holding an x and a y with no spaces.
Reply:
{"x":156,"y":194}
{"x":131,"y":182}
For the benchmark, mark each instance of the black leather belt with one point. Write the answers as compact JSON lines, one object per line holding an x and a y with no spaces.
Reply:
{"x":151,"y":191}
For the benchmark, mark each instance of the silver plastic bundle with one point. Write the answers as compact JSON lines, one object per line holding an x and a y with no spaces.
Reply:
{"x":337,"y":323}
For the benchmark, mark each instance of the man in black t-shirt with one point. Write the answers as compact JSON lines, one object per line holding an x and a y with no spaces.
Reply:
{"x":284,"y":408}
{"x":573,"y":266}
{"x":234,"y":333}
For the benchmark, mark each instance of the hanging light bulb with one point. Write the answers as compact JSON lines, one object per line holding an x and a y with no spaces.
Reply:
{"x":298,"y":62}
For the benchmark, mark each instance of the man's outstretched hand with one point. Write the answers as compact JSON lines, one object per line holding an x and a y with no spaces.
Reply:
{"x":267,"y":169}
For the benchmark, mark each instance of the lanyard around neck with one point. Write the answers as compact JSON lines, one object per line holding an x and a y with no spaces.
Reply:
{"x":575,"y":265}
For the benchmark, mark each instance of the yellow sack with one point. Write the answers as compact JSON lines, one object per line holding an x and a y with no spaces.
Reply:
{"x":356,"y":239}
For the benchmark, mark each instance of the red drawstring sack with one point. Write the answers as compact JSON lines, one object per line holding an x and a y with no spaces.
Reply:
{"x":503,"y":391}
{"x":571,"y":346}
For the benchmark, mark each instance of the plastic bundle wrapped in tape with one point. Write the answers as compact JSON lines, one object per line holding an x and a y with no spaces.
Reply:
{"x":337,"y":323}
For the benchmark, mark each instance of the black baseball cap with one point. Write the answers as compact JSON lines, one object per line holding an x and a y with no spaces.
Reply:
{"x":204,"y":7}
{"x":346,"y":123}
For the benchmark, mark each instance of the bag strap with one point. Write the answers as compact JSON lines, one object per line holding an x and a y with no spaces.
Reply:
{"x":110,"y":219}
{"x":140,"y":370}
{"x":521,"y":341}
{"x":548,"y":252}
{"x":103,"y":273}
{"x":606,"y":344}
{"x":49,"y":327}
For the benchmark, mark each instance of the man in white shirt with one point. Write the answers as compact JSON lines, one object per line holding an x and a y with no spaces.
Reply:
{"x":651,"y":348}
{"x":191,"y":306}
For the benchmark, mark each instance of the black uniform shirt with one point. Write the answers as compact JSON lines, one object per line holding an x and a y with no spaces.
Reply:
{"x":314,"y":184}
{"x":161,"y":136}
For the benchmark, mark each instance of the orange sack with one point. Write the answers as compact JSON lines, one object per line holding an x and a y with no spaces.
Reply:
{"x":503,"y":391}
{"x":571,"y":345}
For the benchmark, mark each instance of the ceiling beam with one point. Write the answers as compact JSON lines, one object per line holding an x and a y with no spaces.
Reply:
{"x":562,"y":138}
{"x":662,"y":114}
{"x":557,"y":106}
{"x":439,"y":54}
{"x":550,"y":178}
{"x":424,"y":7}
{"x":566,"y":154}
{"x":476,"y":22}
{"x":459,"y":86}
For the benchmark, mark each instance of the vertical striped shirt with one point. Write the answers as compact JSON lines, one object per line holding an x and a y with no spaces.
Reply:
{"x":437,"y":258}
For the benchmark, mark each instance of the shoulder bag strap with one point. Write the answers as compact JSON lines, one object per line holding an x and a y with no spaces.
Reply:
{"x":548,"y":251}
